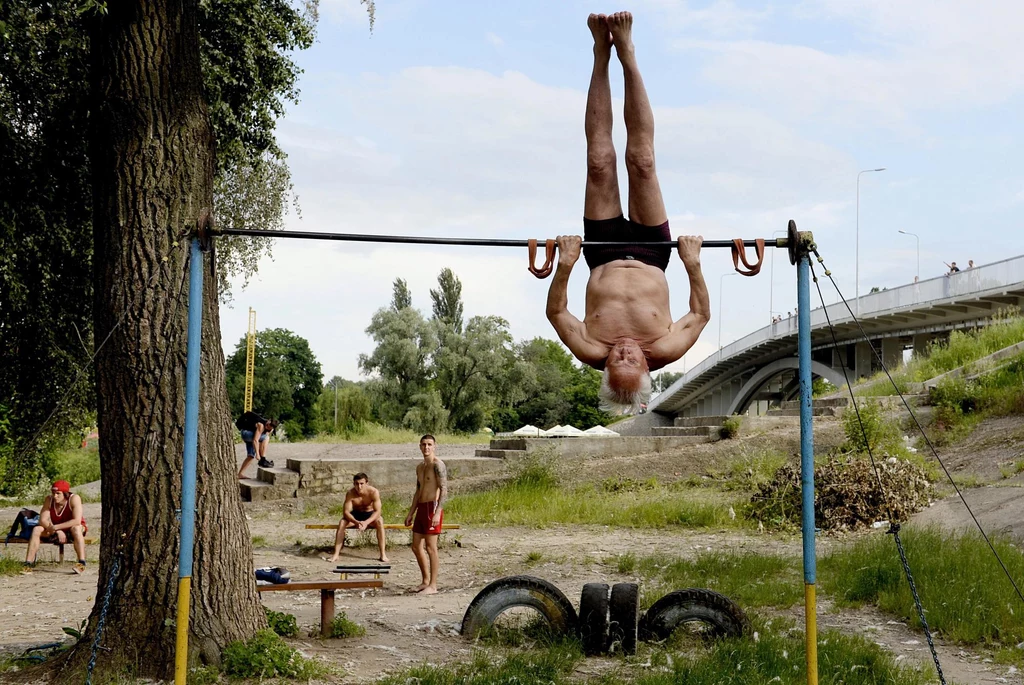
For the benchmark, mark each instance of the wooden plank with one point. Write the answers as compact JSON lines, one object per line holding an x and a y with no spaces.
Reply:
{"x":23,"y":541}
{"x":387,"y":526}
{"x":320,"y":585}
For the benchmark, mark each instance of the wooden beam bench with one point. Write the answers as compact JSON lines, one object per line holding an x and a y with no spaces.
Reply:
{"x":387,"y":526}
{"x":60,"y":546}
{"x":327,"y":589}
{"x":376,"y":569}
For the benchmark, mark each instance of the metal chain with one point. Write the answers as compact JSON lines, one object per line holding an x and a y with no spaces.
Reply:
{"x":114,"y":569}
{"x":894,"y":531}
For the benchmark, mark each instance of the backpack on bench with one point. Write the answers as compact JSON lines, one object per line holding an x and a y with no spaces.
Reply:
{"x":24,"y":522}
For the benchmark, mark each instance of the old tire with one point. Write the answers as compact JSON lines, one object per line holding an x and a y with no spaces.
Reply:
{"x":624,"y":616}
{"x":720,"y":615}
{"x":519,"y":591}
{"x":594,"y":618}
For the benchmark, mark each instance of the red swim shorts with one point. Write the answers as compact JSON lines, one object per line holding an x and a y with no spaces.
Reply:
{"x":424,"y":517}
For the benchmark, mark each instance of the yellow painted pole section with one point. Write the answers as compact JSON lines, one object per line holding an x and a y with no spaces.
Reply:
{"x":181,"y":645}
{"x":811,"y":621}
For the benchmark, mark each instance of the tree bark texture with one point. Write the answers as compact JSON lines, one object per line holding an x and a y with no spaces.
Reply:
{"x":152,"y":159}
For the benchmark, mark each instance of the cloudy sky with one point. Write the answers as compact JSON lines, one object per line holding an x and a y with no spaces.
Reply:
{"x":466,"y":119}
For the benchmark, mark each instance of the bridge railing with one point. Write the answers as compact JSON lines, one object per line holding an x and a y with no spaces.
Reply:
{"x":965,"y":283}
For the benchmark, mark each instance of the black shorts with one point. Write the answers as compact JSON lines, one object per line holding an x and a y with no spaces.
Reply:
{"x":632,"y":235}
{"x":361,"y":515}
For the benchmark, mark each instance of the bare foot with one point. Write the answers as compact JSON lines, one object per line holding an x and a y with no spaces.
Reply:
{"x":332,"y":559}
{"x":428,"y":591}
{"x":602,"y":38}
{"x":620,"y":25}
{"x":383,"y":560}
{"x":420,"y":588}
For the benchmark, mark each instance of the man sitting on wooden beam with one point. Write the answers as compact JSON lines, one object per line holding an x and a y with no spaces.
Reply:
{"x":362,"y":510}
{"x":628,"y":329}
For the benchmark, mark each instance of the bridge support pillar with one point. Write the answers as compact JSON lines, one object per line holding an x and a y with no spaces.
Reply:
{"x":921,"y":343}
{"x":892,"y":352}
{"x":863,"y":359}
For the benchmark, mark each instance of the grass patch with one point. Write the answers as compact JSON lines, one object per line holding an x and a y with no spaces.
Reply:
{"x":730,"y":428}
{"x":965,"y":593}
{"x":266,"y":655}
{"x":778,"y":656}
{"x":533,"y":557}
{"x":342,"y":626}
{"x":552,"y":665}
{"x":9,"y":566}
{"x":752,"y":579}
{"x":963,"y":347}
{"x":515,"y":504}
{"x":259,"y":541}
{"x":375,"y":434}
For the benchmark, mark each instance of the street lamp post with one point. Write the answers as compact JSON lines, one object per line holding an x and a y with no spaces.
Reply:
{"x":334,"y":382}
{"x":857,"y":257}
{"x":720,"y":300}
{"x":916,"y":238}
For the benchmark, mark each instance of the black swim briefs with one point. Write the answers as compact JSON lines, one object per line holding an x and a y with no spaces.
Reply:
{"x":632,"y":235}
{"x":361,"y":515}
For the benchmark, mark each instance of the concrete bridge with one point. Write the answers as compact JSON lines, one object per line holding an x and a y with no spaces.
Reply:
{"x":761,"y":368}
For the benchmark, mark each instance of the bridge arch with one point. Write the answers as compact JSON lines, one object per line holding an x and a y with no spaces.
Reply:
{"x":769,"y":371}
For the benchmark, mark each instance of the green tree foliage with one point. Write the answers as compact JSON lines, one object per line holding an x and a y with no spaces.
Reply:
{"x":447,"y":300}
{"x":45,"y":208}
{"x":442,"y":374}
{"x":665,"y":379}
{"x":399,"y":363}
{"x":344,"y":407}
{"x":401,"y":298}
{"x":288,"y":381}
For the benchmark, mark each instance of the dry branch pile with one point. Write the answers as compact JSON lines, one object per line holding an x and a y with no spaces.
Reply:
{"x":847,"y":494}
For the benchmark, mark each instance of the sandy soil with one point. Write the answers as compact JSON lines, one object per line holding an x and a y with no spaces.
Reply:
{"x":404,"y":629}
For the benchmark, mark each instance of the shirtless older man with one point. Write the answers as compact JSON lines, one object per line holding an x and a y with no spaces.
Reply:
{"x":628,"y":329}
{"x":426,"y":513}
{"x":362,"y":510}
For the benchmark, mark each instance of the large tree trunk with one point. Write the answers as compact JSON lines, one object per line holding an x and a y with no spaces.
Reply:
{"x":152,"y":172}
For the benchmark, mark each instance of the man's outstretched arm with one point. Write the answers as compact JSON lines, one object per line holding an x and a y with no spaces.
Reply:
{"x":684,"y":332}
{"x":571,"y":330}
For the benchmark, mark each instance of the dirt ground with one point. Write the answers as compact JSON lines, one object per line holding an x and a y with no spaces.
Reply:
{"x":404,"y":630}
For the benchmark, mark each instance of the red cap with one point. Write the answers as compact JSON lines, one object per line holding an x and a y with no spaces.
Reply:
{"x":62,"y":486}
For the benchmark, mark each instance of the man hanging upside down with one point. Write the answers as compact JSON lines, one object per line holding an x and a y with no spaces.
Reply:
{"x":628,"y":329}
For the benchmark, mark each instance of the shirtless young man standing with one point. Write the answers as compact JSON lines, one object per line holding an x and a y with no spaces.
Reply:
{"x":362,"y":510}
{"x":628,"y":329}
{"x":426,"y":513}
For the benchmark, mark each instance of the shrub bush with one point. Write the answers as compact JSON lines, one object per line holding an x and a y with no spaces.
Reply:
{"x":730,"y":428}
{"x":342,"y":626}
{"x":281,"y":623}
{"x":266,"y":655}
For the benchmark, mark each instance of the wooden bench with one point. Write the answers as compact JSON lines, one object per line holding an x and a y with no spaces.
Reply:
{"x":387,"y":526}
{"x":376,"y":569}
{"x":60,"y":546}
{"x":326,"y":588}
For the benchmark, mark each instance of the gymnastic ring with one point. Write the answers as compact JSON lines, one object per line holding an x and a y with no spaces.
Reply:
{"x":739,"y":253}
{"x":549,"y":250}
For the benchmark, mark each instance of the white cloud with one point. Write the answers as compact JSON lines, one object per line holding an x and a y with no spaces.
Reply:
{"x":912,"y":57}
{"x":494,"y":39}
{"x":720,"y":18}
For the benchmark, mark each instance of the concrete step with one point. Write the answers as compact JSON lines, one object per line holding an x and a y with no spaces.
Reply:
{"x":500,"y":454}
{"x":682,"y":431}
{"x":508,"y":444}
{"x":681,"y":435}
{"x":687,"y":421}
{"x":278,"y":475}
{"x":832,"y":402}
{"x":253,"y":490}
{"x":815,"y":411}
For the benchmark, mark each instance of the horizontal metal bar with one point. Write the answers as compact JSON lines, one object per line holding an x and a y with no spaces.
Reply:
{"x":479,"y":242}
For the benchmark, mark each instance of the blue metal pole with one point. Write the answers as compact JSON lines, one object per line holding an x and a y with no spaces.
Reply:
{"x":807,"y":463}
{"x":188,"y":477}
